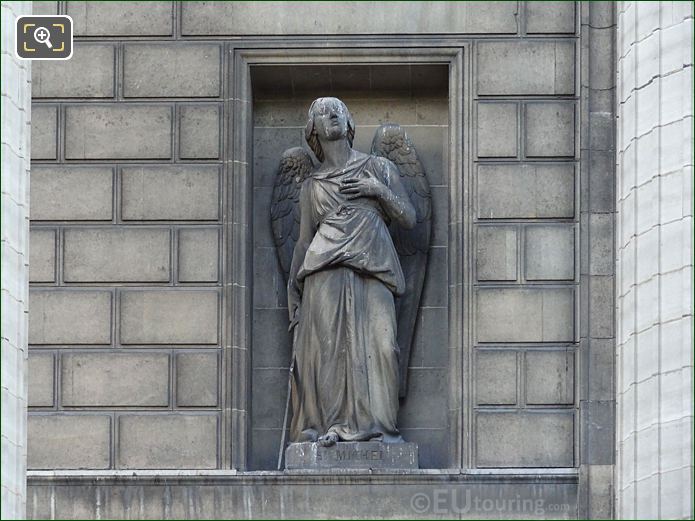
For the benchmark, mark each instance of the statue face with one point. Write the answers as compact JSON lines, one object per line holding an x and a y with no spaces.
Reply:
{"x":330,"y":119}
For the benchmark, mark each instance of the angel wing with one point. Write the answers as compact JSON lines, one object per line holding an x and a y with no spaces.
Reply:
{"x":295,"y":166}
{"x":392,"y":142}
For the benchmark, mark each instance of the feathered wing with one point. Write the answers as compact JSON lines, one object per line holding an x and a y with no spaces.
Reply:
{"x":295,"y":166}
{"x":392,"y":142}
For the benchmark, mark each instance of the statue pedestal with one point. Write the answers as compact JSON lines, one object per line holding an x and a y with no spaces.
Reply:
{"x":352,"y":455}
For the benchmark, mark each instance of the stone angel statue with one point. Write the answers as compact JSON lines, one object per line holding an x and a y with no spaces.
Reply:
{"x":352,"y":237}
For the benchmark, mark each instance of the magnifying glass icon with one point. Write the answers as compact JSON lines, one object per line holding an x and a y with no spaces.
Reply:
{"x":42,"y":35}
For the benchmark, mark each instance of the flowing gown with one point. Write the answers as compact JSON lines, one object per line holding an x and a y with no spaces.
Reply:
{"x":346,"y":355}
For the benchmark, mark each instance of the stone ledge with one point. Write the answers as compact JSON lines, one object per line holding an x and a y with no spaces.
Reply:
{"x":231,"y":476}
{"x":353,"y":493}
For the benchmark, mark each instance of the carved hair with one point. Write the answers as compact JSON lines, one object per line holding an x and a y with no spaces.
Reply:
{"x":311,"y":135}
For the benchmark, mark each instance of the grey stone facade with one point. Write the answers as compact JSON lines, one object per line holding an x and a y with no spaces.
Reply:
{"x":157,"y":324}
{"x":127,"y":219}
{"x":654,"y":434}
{"x":165,"y":272}
{"x":177,"y":138}
{"x":152,"y":138}
{"x":16,"y":143}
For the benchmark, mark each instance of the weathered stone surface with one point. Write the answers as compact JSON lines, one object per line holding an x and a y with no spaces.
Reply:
{"x":533,"y":439}
{"x":89,"y":73}
{"x":264,"y":449}
{"x":434,"y":447}
{"x":550,"y":17}
{"x":601,"y":498}
{"x":352,"y":455}
{"x":440,"y":215}
{"x":42,"y":255}
{"x":269,"y":286}
{"x":169,"y":317}
{"x":496,"y":253}
{"x":272,"y":343}
{"x":132,"y":19}
{"x":527,"y":190}
{"x":497,"y":130}
{"x":431,"y":346}
{"x":495,"y":377}
{"x":433,"y":150}
{"x":198,"y":254}
{"x":40,"y":375}
{"x":170,"y":193}
{"x":601,"y":256}
{"x":114,"y":379}
{"x":550,"y":129}
{"x":436,"y":293}
{"x":262,"y":232}
{"x":71,"y":193}
{"x":372,"y":113}
{"x":269,"y":405}
{"x":117,"y":132}
{"x":601,"y":365}
{"x":602,"y":305}
{"x":601,"y":182}
{"x":271,"y":18}
{"x":424,"y":406}
{"x":602,"y":55}
{"x":178,"y":499}
{"x":180,"y":441}
{"x":116,"y":255}
{"x":199,"y":127}
{"x":176,"y":70}
{"x":69,"y":441}
{"x":44,"y":8}
{"x":266,"y":142}
{"x":602,"y":131}
{"x":598,"y":431}
{"x":69,"y":317}
{"x":525,"y":315}
{"x":44,"y":131}
{"x":550,"y":377}
{"x":194,"y":152}
{"x":231,"y":495}
{"x":549,"y":252}
{"x":15,"y":146}
{"x":14,"y":266}
{"x":196,"y":379}
{"x":526,"y":67}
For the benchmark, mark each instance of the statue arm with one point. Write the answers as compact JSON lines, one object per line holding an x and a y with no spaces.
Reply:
{"x":390,"y":192}
{"x":307,"y":229}
{"x":395,"y":201}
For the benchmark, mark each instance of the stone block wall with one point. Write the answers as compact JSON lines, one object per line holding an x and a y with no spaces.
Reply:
{"x":525,"y":229}
{"x":127,"y":187}
{"x":16,"y":143}
{"x":654,"y":292}
{"x":132,"y":221}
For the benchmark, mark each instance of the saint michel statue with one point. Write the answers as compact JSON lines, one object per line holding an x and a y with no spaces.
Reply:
{"x":352,"y":236}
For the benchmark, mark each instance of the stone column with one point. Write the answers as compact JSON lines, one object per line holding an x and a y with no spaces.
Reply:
{"x":16,"y":115}
{"x":654,"y":463}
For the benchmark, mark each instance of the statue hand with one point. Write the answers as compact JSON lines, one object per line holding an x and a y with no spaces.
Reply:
{"x":367,"y":186}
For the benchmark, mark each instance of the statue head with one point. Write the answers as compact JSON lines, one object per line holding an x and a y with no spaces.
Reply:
{"x":329,"y":119}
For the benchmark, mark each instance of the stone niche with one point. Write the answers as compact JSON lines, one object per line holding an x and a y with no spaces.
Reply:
{"x":416,"y":96}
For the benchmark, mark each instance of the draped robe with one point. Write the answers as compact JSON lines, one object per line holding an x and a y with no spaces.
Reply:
{"x":345,"y":377}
